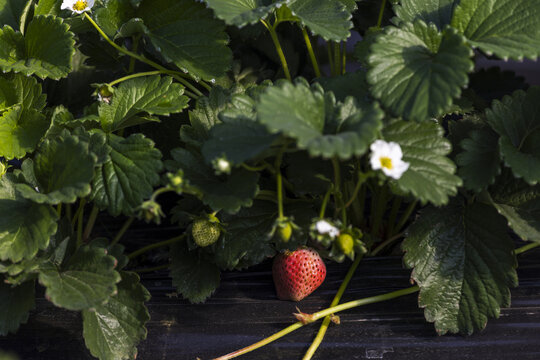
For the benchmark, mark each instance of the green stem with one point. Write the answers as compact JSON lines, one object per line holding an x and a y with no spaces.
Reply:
{"x":277,"y":44}
{"x":254,"y":168}
{"x":59,"y":210}
{"x":396,"y":205}
{"x":385,"y":243}
{"x":135,"y":47}
{"x":344,"y":58}
{"x":279,"y":181}
{"x":361,"y":180}
{"x":525,"y":248}
{"x":381,"y":14}
{"x":155,"y":246}
{"x":311,"y":52}
{"x":133,"y":76}
{"x":362,"y":205}
{"x":326,"y":322}
{"x":378,"y":214}
{"x":90,"y":224}
{"x":122,"y":230}
{"x":330,"y":57}
{"x":318,"y":315}
{"x":338,"y":197}
{"x":175,"y":74}
{"x":152,"y":269}
{"x":406,"y":215}
{"x":325,"y":202}
{"x":80,"y":219}
{"x":337,"y":58}
{"x":68,"y":212}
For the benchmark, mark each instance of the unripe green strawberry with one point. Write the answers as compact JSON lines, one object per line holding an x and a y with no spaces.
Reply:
{"x":298,"y":273}
{"x":205,"y":232}
{"x":345,"y":243}
{"x":285,"y":232}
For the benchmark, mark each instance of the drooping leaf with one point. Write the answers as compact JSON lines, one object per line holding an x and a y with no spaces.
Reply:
{"x":247,"y":237}
{"x":194,"y":276}
{"x":45,"y":50}
{"x":430,"y":177}
{"x":239,"y":139}
{"x":25,"y":227}
{"x":438,"y":12}
{"x":242,"y":12}
{"x":86,"y":281}
{"x":416,"y":71}
{"x":319,"y":125}
{"x":329,"y":19}
{"x":112,"y":331}
{"x":151,"y":95}
{"x":519,"y":203}
{"x":227,"y":192}
{"x":480,"y":161}
{"x":10,"y":12}
{"x":19,"y":89}
{"x":464,"y":263}
{"x":127,"y":178}
{"x":63,"y":168}
{"x":111,"y":17}
{"x":506,"y":28}
{"x":517,"y":120}
{"x":187,"y":34}
{"x":350,"y":84}
{"x":20,"y":131}
{"x":15,"y":303}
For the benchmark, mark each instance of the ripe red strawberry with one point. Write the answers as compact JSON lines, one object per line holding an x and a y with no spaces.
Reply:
{"x":297,"y":274}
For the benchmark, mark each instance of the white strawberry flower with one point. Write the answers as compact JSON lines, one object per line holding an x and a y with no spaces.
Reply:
{"x":324,"y":227}
{"x":221,"y":165}
{"x":77,"y":6}
{"x":387,"y":156}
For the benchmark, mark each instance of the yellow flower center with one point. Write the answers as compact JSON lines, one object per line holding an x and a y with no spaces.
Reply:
{"x":80,"y":5}
{"x":386,"y":162}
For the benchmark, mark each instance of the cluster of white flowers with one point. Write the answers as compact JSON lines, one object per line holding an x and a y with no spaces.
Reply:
{"x":77,"y":6}
{"x":324,"y":227}
{"x":387,"y":156}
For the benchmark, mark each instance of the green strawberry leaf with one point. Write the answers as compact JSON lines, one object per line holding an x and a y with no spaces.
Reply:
{"x":329,"y":19}
{"x":25,"y":227}
{"x":63,"y":168}
{"x":229,"y":193}
{"x":430,"y":177}
{"x":186,"y":34}
{"x":239,"y":139}
{"x":248,"y":235}
{"x":416,"y":71}
{"x":111,"y":17}
{"x":506,"y":28}
{"x":113,"y":330}
{"x":22,"y":271}
{"x":128,"y":176}
{"x":350,"y":84}
{"x":15,"y":302}
{"x":464,"y":264}
{"x":192,"y":274}
{"x":20,"y":131}
{"x":10,"y":12}
{"x":88,"y":279}
{"x":45,"y":50}
{"x":480,"y":162}
{"x":19,"y":89}
{"x":150,"y":95}
{"x":48,"y":7}
{"x":319,"y":125}
{"x":519,"y":203}
{"x":242,"y":12}
{"x":517,"y":120}
{"x":438,"y":12}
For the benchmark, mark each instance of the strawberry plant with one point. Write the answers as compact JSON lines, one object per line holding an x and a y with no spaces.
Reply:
{"x":254,"y":130}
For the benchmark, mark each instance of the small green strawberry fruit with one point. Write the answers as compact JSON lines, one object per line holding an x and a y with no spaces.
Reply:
{"x":345,"y":243}
{"x":205,"y":231}
{"x":285,"y":231}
